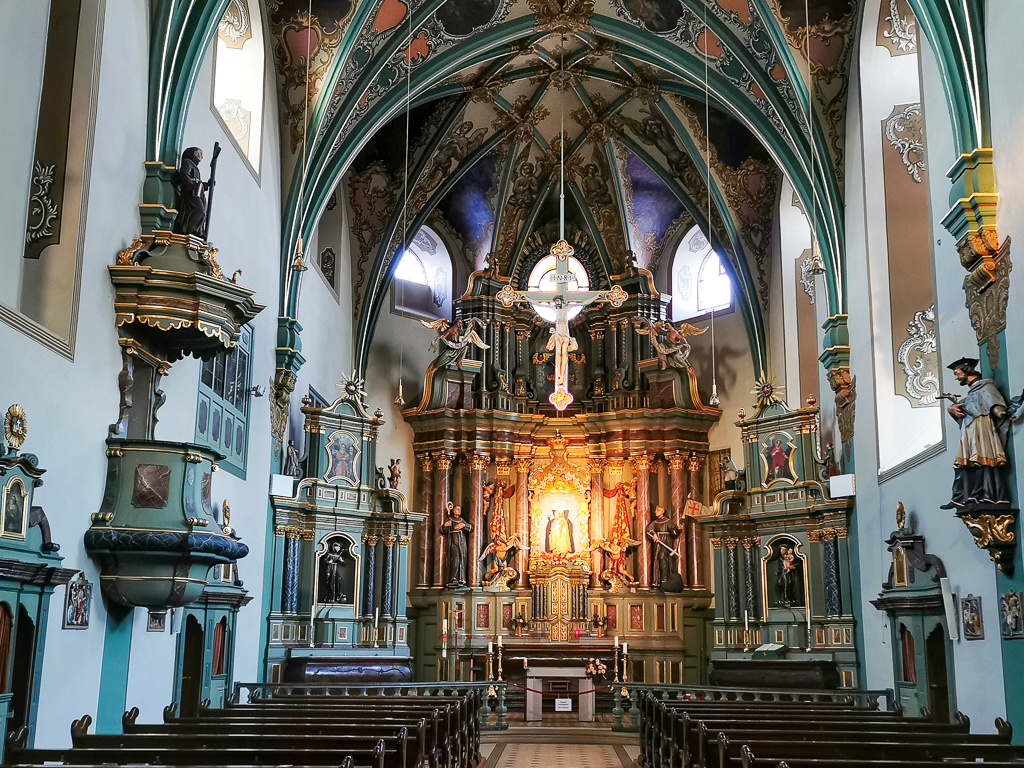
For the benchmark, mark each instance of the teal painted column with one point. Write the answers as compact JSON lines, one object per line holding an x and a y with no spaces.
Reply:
{"x":117,"y":645}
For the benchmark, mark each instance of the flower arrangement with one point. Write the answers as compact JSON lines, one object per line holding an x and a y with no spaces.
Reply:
{"x":518,"y":623}
{"x":596,"y":669}
{"x":598,"y":621}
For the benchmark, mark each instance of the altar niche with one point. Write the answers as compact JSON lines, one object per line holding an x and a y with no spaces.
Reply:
{"x":340,"y":556}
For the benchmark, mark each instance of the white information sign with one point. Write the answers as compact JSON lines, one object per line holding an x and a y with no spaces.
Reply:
{"x":563,"y":705}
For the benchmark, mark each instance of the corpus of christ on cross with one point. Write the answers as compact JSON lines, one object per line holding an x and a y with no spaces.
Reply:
{"x":563,"y":300}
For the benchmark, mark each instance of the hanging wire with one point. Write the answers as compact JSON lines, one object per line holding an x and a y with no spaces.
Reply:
{"x":400,"y":397}
{"x":297,"y":264}
{"x":714,"y":400}
{"x":561,"y":148}
{"x":817,"y":266}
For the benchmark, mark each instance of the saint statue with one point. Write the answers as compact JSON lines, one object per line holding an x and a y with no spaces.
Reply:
{"x":559,"y":534}
{"x":334,"y":574}
{"x":455,"y":528}
{"x":394,"y":473}
{"x":191,"y":202}
{"x":984,"y":418}
{"x":788,"y":578}
{"x":663,"y":533}
{"x":291,"y":467}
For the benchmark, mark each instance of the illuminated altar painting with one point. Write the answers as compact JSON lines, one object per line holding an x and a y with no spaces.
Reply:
{"x":559,"y":511}
{"x":342,"y":458}
{"x":777,"y":453}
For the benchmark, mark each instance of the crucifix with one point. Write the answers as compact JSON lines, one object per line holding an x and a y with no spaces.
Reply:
{"x":562,"y":300}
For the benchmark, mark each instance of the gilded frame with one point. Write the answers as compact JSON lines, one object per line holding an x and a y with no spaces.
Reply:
{"x":769,"y":550}
{"x":792,"y":480}
{"x":20,"y":533}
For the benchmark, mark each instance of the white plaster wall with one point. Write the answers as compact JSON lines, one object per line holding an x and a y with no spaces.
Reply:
{"x":978,"y":674}
{"x":71,"y":403}
{"x":794,"y":233}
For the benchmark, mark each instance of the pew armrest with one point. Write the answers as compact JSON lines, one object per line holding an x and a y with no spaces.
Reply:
{"x":1004,"y":729}
{"x":128,"y":719}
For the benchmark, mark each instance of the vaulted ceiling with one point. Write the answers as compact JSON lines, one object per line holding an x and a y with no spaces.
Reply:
{"x":650,"y":94}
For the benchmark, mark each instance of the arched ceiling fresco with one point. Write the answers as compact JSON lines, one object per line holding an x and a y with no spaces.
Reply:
{"x":493,"y":81}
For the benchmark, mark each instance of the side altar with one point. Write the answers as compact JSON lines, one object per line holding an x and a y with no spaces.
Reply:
{"x":340,"y":554}
{"x":554,"y":475}
{"x":782,"y":559}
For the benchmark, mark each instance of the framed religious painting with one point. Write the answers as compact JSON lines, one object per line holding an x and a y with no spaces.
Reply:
{"x":342,"y":458}
{"x":777,"y":456}
{"x":1011,"y":615}
{"x":77,"y":603}
{"x":14,"y":502}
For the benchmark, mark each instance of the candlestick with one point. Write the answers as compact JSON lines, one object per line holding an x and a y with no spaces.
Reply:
{"x":499,"y":657}
{"x":490,"y":661}
{"x":616,"y":659}
{"x":625,"y":664}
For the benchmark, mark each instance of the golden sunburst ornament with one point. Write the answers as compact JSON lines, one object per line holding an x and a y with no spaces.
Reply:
{"x":15,"y":426}
{"x":767,"y":392}
{"x":352,"y":386}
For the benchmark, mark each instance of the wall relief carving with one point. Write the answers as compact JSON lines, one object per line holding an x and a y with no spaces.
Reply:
{"x":904,"y":132}
{"x":918,"y":357}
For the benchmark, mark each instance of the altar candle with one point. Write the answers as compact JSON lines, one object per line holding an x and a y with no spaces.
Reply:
{"x":490,"y":648}
{"x":616,"y":641}
{"x":625,"y":648}
{"x":746,"y":622}
{"x":499,"y":641}
{"x":376,"y":618}
{"x":444,"y":626}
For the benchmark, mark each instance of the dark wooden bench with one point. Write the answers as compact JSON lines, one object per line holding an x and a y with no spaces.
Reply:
{"x":748,"y":760}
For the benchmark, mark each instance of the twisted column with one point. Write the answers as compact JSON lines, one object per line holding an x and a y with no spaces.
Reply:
{"x":751,"y":546}
{"x":676,"y":465}
{"x":523,"y":516}
{"x":641,"y":464}
{"x":732,"y":579}
{"x":695,"y":550}
{"x":477,"y":464}
{"x":596,"y":517}
{"x":290,"y":601}
{"x":426,"y":501}
{"x":370,"y":581}
{"x":388,"y":588}
{"x":442,"y":478}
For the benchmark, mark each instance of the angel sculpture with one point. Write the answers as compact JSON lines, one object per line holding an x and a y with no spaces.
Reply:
{"x":616,"y":549}
{"x":454,"y":340}
{"x":669,"y":341}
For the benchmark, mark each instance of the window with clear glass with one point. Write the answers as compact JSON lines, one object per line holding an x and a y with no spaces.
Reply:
{"x":223,"y":413}
{"x":422,"y":280}
{"x":700,"y":278}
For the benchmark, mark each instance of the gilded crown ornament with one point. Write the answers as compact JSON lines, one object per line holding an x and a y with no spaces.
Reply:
{"x":15,"y":426}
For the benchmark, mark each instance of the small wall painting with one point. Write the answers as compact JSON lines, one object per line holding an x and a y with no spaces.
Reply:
{"x":777,"y":453}
{"x":636,"y":618}
{"x":1011,"y":615}
{"x":337,"y":572}
{"x":971,"y":620}
{"x":157,"y":621}
{"x":15,"y":503}
{"x":483,"y":616}
{"x":506,"y":615}
{"x":77,"y":602}
{"x":611,"y":612}
{"x":342,"y":458}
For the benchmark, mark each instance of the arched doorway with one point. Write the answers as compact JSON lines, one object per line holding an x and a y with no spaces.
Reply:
{"x":192,"y":668}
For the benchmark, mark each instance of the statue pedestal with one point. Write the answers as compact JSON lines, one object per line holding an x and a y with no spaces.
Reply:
{"x":535,"y":684}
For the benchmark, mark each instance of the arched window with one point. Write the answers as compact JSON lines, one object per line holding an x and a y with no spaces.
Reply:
{"x":700,"y":281}
{"x":542,"y":278}
{"x":422,"y":281}
{"x":238,"y":78}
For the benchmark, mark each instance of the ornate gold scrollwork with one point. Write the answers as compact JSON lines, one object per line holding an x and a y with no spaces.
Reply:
{"x":993,"y":533}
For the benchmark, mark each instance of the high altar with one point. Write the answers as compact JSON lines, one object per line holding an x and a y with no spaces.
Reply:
{"x":542,"y":525}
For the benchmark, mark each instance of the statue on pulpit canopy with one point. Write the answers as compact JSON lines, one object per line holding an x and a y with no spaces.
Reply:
{"x":662,"y":532}
{"x":456,"y":528}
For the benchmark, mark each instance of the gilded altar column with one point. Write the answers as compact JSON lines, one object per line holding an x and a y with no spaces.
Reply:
{"x":694,"y":543}
{"x":676,"y":466}
{"x":523,"y":516}
{"x":426,"y":501}
{"x":442,"y":478}
{"x":477,"y":464}
{"x":596,"y":517}
{"x":641,"y":464}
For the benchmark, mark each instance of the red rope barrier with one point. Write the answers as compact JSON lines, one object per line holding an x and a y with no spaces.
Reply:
{"x":560,"y":695}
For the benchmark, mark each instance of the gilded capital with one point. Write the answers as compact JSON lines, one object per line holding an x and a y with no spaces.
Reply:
{"x":641,"y":462}
{"x":676,"y":461}
{"x":596,"y":466}
{"x":828,"y":534}
{"x":389,"y":541}
{"x":403,"y":541}
{"x":695,"y":462}
{"x":813,"y":536}
{"x":426,"y":462}
{"x":732,"y":542}
{"x":503,"y":467}
{"x":478,"y":462}
{"x":842,"y":532}
{"x":716,"y":543}
{"x":523,"y":464}
{"x":444,"y":461}
{"x":749,"y":542}
{"x":615,"y":466}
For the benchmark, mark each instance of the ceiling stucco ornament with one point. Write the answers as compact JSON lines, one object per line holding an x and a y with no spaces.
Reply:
{"x":904,"y":132}
{"x":235,"y":28}
{"x":520,"y":122}
{"x":562,"y":16}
